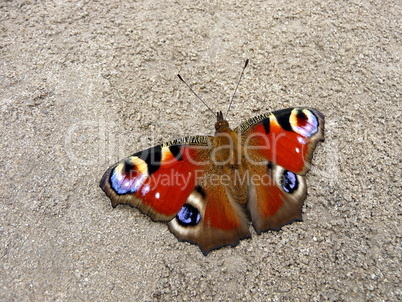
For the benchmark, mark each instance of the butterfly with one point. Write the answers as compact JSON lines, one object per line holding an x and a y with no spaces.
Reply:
{"x":208,"y":188}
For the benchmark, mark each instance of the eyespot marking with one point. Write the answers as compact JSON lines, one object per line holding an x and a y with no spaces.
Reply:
{"x":128,"y":176}
{"x":188,"y":216}
{"x":304,"y":122}
{"x":289,"y":182}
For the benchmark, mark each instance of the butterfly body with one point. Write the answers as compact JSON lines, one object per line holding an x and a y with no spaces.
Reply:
{"x":208,"y":187}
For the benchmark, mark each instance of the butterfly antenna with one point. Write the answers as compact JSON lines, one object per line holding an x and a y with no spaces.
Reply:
{"x":195,"y":93}
{"x":241,"y":75}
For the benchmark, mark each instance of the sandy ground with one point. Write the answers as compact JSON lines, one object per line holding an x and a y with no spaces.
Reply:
{"x":86,"y":84}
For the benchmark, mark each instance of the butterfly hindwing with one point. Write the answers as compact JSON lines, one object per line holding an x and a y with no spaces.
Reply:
{"x":275,"y":197}
{"x":211,"y":219}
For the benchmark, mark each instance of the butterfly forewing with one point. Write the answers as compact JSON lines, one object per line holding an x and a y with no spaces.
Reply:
{"x":157,"y":180}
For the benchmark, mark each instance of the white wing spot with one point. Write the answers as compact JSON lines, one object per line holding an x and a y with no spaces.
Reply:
{"x":301,"y":140}
{"x":145,"y":190}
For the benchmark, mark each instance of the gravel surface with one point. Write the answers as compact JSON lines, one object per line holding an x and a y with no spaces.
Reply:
{"x":84,"y":84}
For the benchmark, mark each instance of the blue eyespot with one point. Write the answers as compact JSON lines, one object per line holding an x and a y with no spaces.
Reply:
{"x":188,"y":216}
{"x":289,"y":182}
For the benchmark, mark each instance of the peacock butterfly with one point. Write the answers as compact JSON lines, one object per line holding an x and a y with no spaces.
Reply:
{"x":208,"y":187}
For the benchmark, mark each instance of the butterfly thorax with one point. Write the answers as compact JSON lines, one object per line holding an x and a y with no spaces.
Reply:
{"x":225,"y":145}
{"x":227,"y":162}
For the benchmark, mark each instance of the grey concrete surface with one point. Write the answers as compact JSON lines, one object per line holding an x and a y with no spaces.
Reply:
{"x":84,"y":84}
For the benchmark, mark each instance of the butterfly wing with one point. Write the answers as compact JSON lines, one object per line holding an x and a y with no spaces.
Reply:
{"x":211,"y":216}
{"x":278,"y":148}
{"x":157,"y":180}
{"x":175,"y":182}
